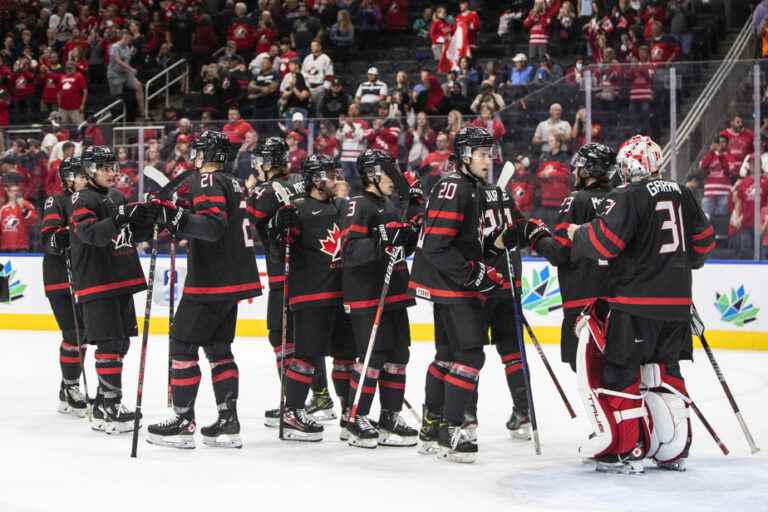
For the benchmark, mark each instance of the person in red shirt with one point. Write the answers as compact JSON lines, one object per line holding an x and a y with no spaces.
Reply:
{"x":52,"y":180}
{"x":764,"y":231}
{"x":440,"y":32}
{"x":242,"y":32}
{"x":23,"y":91}
{"x":395,"y":13}
{"x":521,"y":187}
{"x":264,"y":36}
{"x":76,"y":41}
{"x":664,"y":48}
{"x":553,"y":180}
{"x":72,"y":96}
{"x":326,"y":142}
{"x":472,"y":20}
{"x":5,"y":107}
{"x":740,"y":142}
{"x":743,"y":216}
{"x":296,"y":155}
{"x":237,"y":127}
{"x":16,"y":217}
{"x":538,"y":24}
{"x":385,"y":133}
{"x":436,"y":164}
{"x":718,"y":180}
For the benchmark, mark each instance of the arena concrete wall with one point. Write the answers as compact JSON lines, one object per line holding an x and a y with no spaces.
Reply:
{"x":730,"y":296}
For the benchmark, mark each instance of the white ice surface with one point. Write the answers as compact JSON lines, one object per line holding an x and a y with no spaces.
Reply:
{"x":50,"y":462}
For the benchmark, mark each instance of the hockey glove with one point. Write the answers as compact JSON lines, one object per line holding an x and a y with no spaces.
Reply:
{"x":416,"y":194}
{"x":137,"y":214}
{"x":509,"y":238}
{"x":168,"y":214}
{"x":483,"y":277}
{"x":287,"y":217}
{"x":59,"y":241}
{"x":534,"y":230}
{"x":394,"y":233}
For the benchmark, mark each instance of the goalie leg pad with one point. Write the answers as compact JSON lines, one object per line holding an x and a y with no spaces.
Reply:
{"x":668,"y":409}
{"x":616,"y":416}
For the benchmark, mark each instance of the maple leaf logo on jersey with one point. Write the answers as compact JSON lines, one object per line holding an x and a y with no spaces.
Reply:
{"x":332,"y":245}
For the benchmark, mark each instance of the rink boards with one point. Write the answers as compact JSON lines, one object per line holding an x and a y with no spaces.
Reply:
{"x":731,"y":298}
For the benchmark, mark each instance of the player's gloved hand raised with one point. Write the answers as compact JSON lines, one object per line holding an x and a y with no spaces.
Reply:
{"x":168,"y":214}
{"x":416,"y":192}
{"x":137,"y":214}
{"x":534,"y":230}
{"x":287,"y":217}
{"x":483,"y":278}
{"x":394,"y":233}
{"x":59,"y":241}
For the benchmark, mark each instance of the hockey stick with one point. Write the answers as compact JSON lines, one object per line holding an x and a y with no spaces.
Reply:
{"x":709,"y":428}
{"x":284,"y":198}
{"x":544,"y":360}
{"x":171,"y":309}
{"x":697,"y":326}
{"x":79,"y":341}
{"x":415,"y":414}
{"x":374,"y":329}
{"x":523,"y":357}
{"x":144,"y":339}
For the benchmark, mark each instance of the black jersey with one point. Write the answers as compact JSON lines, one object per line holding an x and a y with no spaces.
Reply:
{"x":581,"y":280}
{"x":653,"y":233}
{"x":56,"y":213}
{"x":104,"y":261}
{"x":315,"y":275}
{"x":365,"y":260}
{"x":222,"y":258}
{"x":450,"y":238}
{"x":498,"y":210}
{"x":262,"y":206}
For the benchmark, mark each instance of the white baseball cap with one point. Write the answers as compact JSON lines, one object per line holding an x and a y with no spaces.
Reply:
{"x":373,"y":71}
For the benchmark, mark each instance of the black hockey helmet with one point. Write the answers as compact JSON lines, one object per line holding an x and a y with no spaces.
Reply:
{"x":372,"y":163}
{"x":273,"y":153}
{"x":317,"y":169}
{"x":94,"y":157}
{"x":69,"y":168}
{"x":213,"y":145}
{"x":593,"y":160}
{"x":469,"y":138}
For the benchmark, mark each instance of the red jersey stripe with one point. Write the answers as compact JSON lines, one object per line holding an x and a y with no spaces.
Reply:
{"x":51,"y":217}
{"x":212,"y":290}
{"x":596,"y":243}
{"x":445,"y":215}
{"x":610,"y":235}
{"x":314,"y":296}
{"x":704,"y":234}
{"x":705,"y":249}
{"x":110,"y":286}
{"x":56,"y":287}
{"x":391,"y":299}
{"x":652,"y":301}
{"x":256,"y":213}
{"x":210,"y":199}
{"x":441,"y":231}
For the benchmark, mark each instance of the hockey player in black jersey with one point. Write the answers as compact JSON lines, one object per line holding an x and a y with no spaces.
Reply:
{"x":311,"y":225}
{"x":450,"y":271}
{"x":270,"y":162}
{"x":106,"y":273}
{"x":55,"y":239}
{"x":653,"y":233}
{"x":221,"y":270}
{"x":582,"y":280}
{"x":373,"y":232}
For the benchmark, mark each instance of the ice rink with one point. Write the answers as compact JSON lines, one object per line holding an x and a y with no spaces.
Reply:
{"x":52,"y":462}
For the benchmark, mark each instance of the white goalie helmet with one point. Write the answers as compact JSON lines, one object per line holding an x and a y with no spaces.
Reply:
{"x":638,"y":159}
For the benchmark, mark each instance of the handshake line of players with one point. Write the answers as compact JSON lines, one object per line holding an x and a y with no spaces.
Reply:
{"x":339,"y":251}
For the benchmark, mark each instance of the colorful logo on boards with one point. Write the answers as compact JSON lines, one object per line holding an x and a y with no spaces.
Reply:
{"x":15,"y":288}
{"x":542,"y":293}
{"x":735,"y":307}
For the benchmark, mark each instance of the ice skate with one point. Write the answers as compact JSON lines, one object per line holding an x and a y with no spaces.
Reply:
{"x":519,"y":425}
{"x":72,"y":401}
{"x":272,"y":418}
{"x":224,"y":432}
{"x":175,"y":432}
{"x":112,"y":417}
{"x":344,"y":434}
{"x":673,"y":465}
{"x":394,"y":431}
{"x":455,"y":445}
{"x":630,"y":463}
{"x":470,"y":426}
{"x":298,"y":426}
{"x":362,"y":433}
{"x":430,"y":425}
{"x":320,"y":407}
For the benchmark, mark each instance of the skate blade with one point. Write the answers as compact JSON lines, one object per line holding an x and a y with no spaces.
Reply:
{"x":324,"y":415}
{"x":223,"y":441}
{"x":271,"y":422}
{"x":65,"y":408}
{"x":461,"y":458}
{"x":344,"y":435}
{"x":113,"y":427}
{"x":521,"y":434}
{"x":428,"y":448}
{"x":675,"y":465}
{"x":307,"y":437}
{"x":180,"y":442}
{"x":620,"y":468}
{"x":391,"y":439}
{"x":362,"y":443}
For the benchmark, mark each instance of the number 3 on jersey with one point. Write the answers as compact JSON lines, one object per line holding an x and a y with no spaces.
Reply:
{"x":673,"y":223}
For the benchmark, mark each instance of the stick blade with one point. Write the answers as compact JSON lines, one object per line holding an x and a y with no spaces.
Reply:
{"x":507,"y":173}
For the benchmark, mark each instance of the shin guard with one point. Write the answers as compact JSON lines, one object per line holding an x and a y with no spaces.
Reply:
{"x":668,"y":407}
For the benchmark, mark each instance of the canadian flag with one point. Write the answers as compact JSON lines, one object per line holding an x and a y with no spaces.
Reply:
{"x":457,"y":48}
